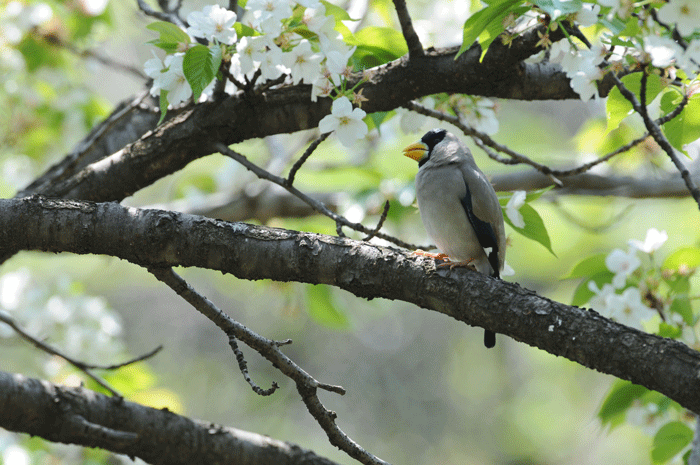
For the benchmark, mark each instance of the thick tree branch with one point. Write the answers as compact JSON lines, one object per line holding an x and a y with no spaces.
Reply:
{"x":75,"y":415}
{"x":595,"y":184}
{"x":187,"y":135}
{"x":160,"y":238}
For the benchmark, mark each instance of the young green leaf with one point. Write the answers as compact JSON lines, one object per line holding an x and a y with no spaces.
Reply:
{"x":684,"y":128}
{"x":200,"y":65}
{"x":618,"y":107}
{"x":588,"y":267}
{"x":163,"y":105}
{"x":534,"y":227}
{"x":671,"y":438}
{"x":685,"y":257}
{"x":479,"y":21}
{"x":620,"y":398}
{"x":170,"y":36}
{"x":681,"y":305}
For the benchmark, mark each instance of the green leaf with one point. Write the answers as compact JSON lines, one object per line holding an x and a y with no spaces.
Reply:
{"x":163,"y":105}
{"x":684,"y":128}
{"x":617,"y":107}
{"x":200,"y":65}
{"x":534,"y":227}
{"x":479,"y":21}
{"x":681,"y":305}
{"x":244,"y":31}
{"x":337,"y":12}
{"x":588,"y":267}
{"x":377,"y":118}
{"x":378,"y":45}
{"x":619,"y":399}
{"x":671,"y":438}
{"x":685,"y":257}
{"x":170,"y":36}
{"x":583,"y":294}
{"x":536,"y":194}
{"x":321,"y":308}
{"x":670,"y":331}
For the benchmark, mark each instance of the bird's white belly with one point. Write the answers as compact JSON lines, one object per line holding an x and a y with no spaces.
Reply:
{"x":446,"y":221}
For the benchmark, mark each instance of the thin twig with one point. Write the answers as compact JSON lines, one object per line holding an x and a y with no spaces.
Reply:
{"x":243,"y":366}
{"x":304,"y":157}
{"x":269,"y":349}
{"x":84,"y":367}
{"x":655,"y":132}
{"x":315,"y":204}
{"x":162,"y":15}
{"x":382,"y":219}
{"x":483,"y":141}
{"x":415,"y":48}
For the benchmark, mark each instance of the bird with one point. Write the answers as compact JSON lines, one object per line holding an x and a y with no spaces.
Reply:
{"x":458,"y":206}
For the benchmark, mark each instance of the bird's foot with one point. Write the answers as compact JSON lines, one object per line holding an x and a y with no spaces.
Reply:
{"x":436,"y":256}
{"x":462,"y":264}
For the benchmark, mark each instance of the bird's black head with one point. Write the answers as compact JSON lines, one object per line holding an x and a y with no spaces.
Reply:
{"x":433,"y":137}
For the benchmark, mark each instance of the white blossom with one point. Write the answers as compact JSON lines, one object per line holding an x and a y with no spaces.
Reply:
{"x":153,"y":68}
{"x":507,"y":270}
{"x":303,"y":63}
{"x":213,"y":22}
{"x":652,"y":242}
{"x":685,"y":14}
{"x":690,"y":59}
{"x":316,"y":20}
{"x":482,"y":116}
{"x":627,"y":308}
{"x":309,"y":3}
{"x":250,"y":52}
{"x":345,"y":121}
{"x":173,"y":80}
{"x":588,"y":15}
{"x":271,"y":66}
{"x":263,"y":10}
{"x":583,"y":82}
{"x":337,"y":61}
{"x":516,"y":201}
{"x":599,"y":302}
{"x":661,"y":51}
{"x":622,"y":264}
{"x":322,"y":87}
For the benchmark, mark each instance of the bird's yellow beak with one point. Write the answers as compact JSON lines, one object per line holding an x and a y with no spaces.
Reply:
{"x":416,"y":151}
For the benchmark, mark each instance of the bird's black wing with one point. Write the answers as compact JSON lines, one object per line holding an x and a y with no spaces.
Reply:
{"x":484,"y":232}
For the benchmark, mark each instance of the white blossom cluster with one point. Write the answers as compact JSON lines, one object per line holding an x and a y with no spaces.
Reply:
{"x":585,"y":66}
{"x":627,"y":307}
{"x":82,"y":326}
{"x":319,"y":57}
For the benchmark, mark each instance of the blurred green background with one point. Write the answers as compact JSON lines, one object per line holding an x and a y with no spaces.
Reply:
{"x":421,"y":388}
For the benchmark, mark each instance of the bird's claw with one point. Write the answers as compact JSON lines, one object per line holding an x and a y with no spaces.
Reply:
{"x":436,"y":256}
{"x":462,"y":264}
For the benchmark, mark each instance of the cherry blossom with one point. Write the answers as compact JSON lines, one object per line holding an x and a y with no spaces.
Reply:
{"x":516,"y":201}
{"x":622,"y":264}
{"x":213,"y":23}
{"x":652,"y":242}
{"x":345,"y":121}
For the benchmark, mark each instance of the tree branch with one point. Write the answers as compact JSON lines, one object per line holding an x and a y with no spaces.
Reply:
{"x":415,"y":48}
{"x":159,"y":238}
{"x":186,"y":136}
{"x":74,"y":415}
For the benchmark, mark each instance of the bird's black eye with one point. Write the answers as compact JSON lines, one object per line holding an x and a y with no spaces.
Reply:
{"x":433,"y":137}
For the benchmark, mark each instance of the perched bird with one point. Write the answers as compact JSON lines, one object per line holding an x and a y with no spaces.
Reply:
{"x":458,"y":206}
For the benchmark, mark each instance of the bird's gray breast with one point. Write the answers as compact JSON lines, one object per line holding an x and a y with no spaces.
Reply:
{"x":439,"y":191}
